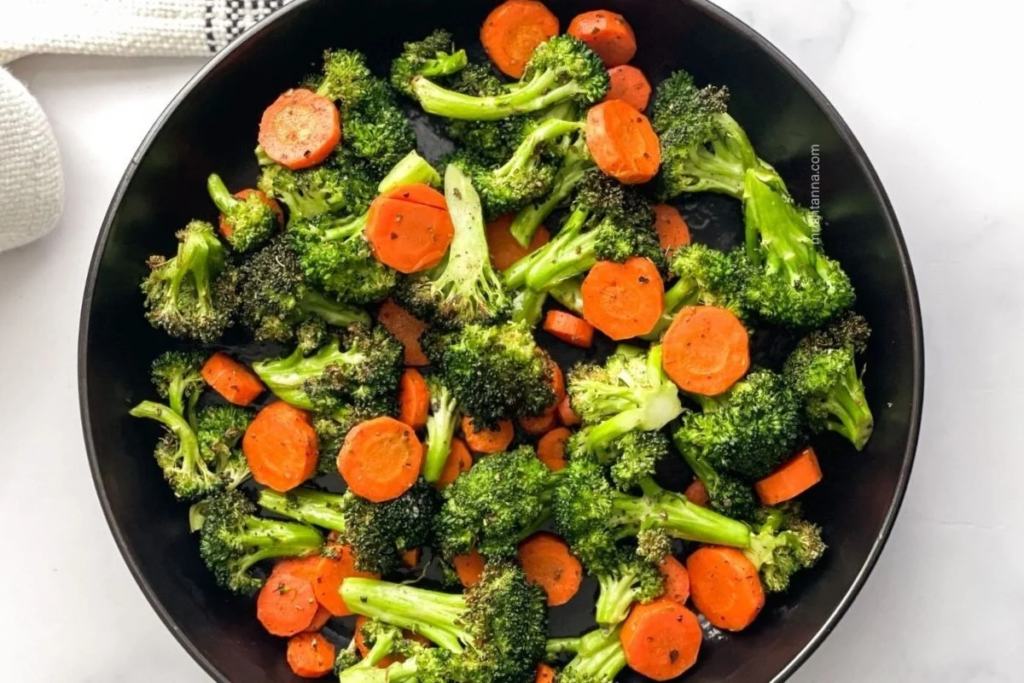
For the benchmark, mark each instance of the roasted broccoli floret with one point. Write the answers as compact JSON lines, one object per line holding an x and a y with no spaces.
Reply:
{"x":748,"y":431}
{"x":629,"y":392}
{"x":494,"y":373}
{"x":344,"y":185}
{"x":560,"y":70}
{"x":232,"y":540}
{"x":495,"y":505}
{"x":433,"y":57}
{"x":783,"y":544}
{"x":792,"y":281}
{"x":622,"y":583}
{"x":345,"y":76}
{"x":220,"y":429}
{"x":246,"y":223}
{"x":191,"y":295}
{"x":277,"y":304}
{"x":441,"y":423}
{"x":608,"y":222}
{"x":491,"y":141}
{"x":823,"y":372}
{"x":177,"y":378}
{"x":383,"y":641}
{"x":494,"y":633}
{"x":379,"y":533}
{"x":727,"y":494}
{"x":464,"y":288}
{"x":364,"y":374}
{"x":598,"y":656}
{"x":177,"y":453}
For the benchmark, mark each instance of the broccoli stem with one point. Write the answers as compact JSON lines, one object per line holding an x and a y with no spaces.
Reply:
{"x":599,"y":654}
{"x":614,"y":598}
{"x":571,"y":253}
{"x":411,"y":169}
{"x":567,"y":293}
{"x":271,"y":539}
{"x":188,"y":443}
{"x":220,"y":194}
{"x":434,"y":615}
{"x":677,"y":517}
{"x":530,"y":218}
{"x":775,"y":228}
{"x":305,"y":505}
{"x":333,"y":312}
{"x":440,"y":428}
{"x":539,"y":93}
{"x":528,"y":307}
{"x":848,"y":404}
{"x":546,"y":131}
{"x":444,"y":64}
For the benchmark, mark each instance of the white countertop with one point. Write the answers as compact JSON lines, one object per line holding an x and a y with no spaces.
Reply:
{"x":929,"y":88}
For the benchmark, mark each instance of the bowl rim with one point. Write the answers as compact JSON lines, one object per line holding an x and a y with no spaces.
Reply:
{"x":746,"y":32}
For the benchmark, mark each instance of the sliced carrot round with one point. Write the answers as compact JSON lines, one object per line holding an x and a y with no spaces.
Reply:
{"x":418,"y":193}
{"x":320,"y":619}
{"x":706,"y":350}
{"x":513,"y":30}
{"x":566,"y":414}
{"x":545,"y":674}
{"x":725,"y":587}
{"x":569,"y":328}
{"x":791,"y":479}
{"x":677,"y":580}
{"x":413,"y":399}
{"x":459,"y":461}
{"x":606,"y":33}
{"x":469,"y":568}
{"x":232,"y":380}
{"x":622,"y":142}
{"x":409,"y":228}
{"x":697,"y":494}
{"x":286,"y":605}
{"x":547,"y":562}
{"x":551,"y":448}
{"x":381,"y":459}
{"x":300,"y":129}
{"x":330,"y":572}
{"x":280,"y":447}
{"x":504,"y":248}
{"x":628,"y":83}
{"x":407,"y":328}
{"x":310,"y":655}
{"x":661,"y":639}
{"x":492,"y":440}
{"x":539,"y":424}
{"x":623,"y":300}
{"x":673,"y":232}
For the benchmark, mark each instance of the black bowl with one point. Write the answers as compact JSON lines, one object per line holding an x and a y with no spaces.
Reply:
{"x":211,"y":125}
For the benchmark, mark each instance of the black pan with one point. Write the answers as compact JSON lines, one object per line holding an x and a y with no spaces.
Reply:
{"x":211,"y":126}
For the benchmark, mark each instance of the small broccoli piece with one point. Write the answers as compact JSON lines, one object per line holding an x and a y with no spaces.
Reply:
{"x":494,"y":372}
{"x":823,"y":372}
{"x":783,"y":544}
{"x":496,"y":631}
{"x":707,"y":277}
{"x":635,"y":456}
{"x":345,"y":185}
{"x":630,"y":580}
{"x":347,"y":657}
{"x":629,"y":392}
{"x":492,"y":141}
{"x":365,"y":374}
{"x":703,"y":148}
{"x":191,"y":295}
{"x":495,"y":505}
{"x":528,"y":307}
{"x":574,"y":164}
{"x":608,"y":222}
{"x":219,"y":430}
{"x":376,"y":129}
{"x":792,"y":281}
{"x":177,"y":378}
{"x":232,"y":540}
{"x":277,"y":304}
{"x":727,"y":494}
{"x":177,"y":453}
{"x":383,"y":640}
{"x":464,"y":288}
{"x":250,"y":221}
{"x":560,"y":70}
{"x":748,"y":431}
{"x":599,"y":656}
{"x":433,"y":57}
{"x":379,"y":533}
{"x":345,"y":77}
{"x":569,"y":294}
{"x":441,"y":423}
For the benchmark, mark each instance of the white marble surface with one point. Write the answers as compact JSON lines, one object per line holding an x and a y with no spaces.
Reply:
{"x":929,"y":87}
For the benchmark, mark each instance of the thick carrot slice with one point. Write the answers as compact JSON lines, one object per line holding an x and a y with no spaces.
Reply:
{"x":413,"y":399}
{"x":488,"y":440}
{"x":504,"y":248}
{"x":286,"y":605}
{"x":628,"y":83}
{"x":320,"y":619}
{"x":547,"y":562}
{"x":409,"y":229}
{"x":706,"y":350}
{"x":725,"y":587}
{"x":661,"y":639}
{"x":557,"y":379}
{"x":310,"y":655}
{"x":537,"y":425}
{"x":232,"y":380}
{"x":791,"y":478}
{"x":407,"y":328}
{"x":623,"y":300}
{"x":280,"y":447}
{"x":381,"y":459}
{"x":569,"y":328}
{"x":469,"y":568}
{"x":566,"y":414}
{"x":551,"y":448}
{"x":512,"y":31}
{"x":697,"y":494}
{"x":225,"y":226}
{"x":300,"y":129}
{"x":545,"y":674}
{"x":606,"y":33}
{"x":673,"y":232}
{"x":622,"y":142}
{"x":411,"y":558}
{"x":459,"y":461}
{"x":330,"y":572}
{"x":677,"y":580}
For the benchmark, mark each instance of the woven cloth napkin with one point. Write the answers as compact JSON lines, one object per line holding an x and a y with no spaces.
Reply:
{"x":31,"y":181}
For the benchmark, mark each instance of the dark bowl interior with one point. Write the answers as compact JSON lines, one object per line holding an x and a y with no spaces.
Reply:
{"x":211,"y":126}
